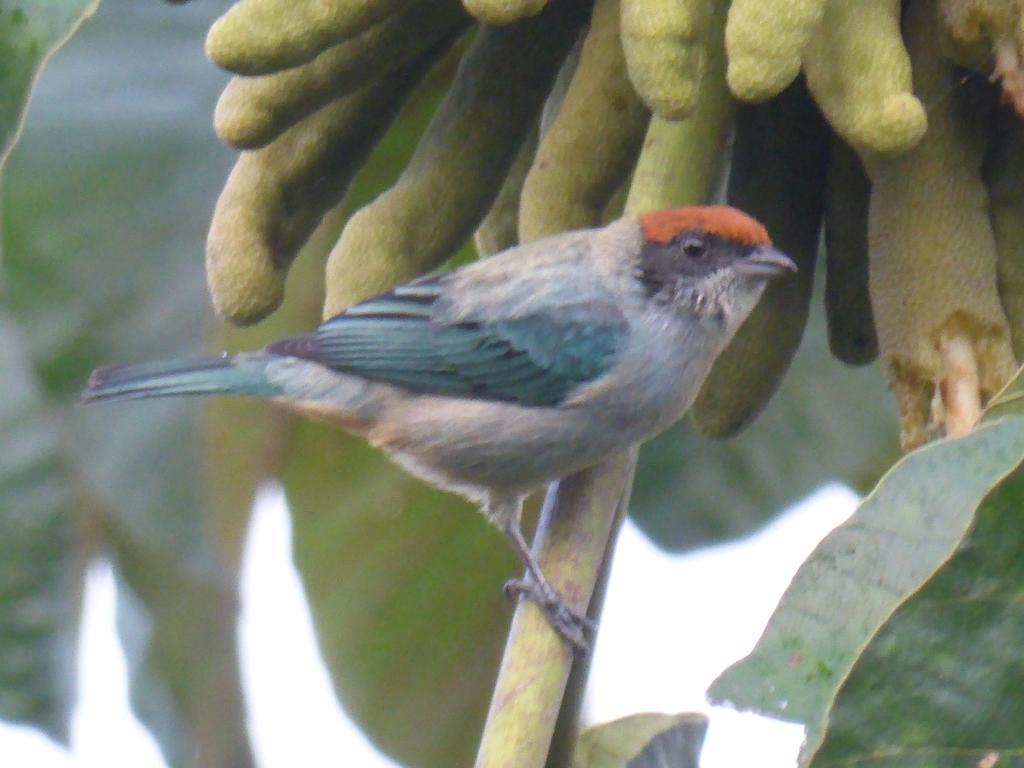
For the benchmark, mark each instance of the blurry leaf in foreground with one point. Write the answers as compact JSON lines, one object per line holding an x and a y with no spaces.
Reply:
{"x":910,"y":525}
{"x":29,"y":33}
{"x":827,"y":422}
{"x":942,"y":682}
{"x":40,"y":570}
{"x":643,"y":741}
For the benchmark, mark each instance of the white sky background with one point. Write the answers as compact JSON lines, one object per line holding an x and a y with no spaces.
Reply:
{"x":656,"y":652}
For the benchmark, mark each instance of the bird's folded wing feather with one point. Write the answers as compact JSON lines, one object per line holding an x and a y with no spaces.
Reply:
{"x":531,"y":343}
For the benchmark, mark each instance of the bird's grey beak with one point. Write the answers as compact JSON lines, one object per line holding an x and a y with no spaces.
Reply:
{"x":765,"y":261}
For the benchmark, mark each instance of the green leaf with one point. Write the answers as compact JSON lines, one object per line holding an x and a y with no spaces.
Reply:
{"x":908,"y":527}
{"x":827,"y":422}
{"x":30,"y":31}
{"x":643,"y":741}
{"x":40,"y":575}
{"x":941,"y":684}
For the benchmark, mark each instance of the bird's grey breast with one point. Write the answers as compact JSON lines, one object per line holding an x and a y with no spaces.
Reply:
{"x":656,"y":377}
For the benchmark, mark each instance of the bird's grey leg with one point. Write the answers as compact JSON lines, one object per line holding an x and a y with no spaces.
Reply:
{"x":573,"y":627}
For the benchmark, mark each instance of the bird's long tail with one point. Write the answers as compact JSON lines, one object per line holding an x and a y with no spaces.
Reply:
{"x":172,"y":378}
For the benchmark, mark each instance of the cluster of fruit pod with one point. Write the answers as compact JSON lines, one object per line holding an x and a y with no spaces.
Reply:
{"x":879,"y":133}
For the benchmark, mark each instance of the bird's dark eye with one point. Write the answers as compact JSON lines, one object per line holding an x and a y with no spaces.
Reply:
{"x":694,"y":246}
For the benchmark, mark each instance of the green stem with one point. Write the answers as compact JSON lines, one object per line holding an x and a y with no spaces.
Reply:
{"x":575,"y":531}
{"x":567,"y":727}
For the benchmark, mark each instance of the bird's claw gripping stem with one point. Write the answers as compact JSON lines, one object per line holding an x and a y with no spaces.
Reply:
{"x":574,"y":628}
{"x":570,"y":625}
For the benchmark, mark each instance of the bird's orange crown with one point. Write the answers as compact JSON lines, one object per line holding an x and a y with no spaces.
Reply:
{"x":722,"y":220}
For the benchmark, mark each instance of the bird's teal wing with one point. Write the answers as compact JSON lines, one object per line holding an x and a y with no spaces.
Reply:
{"x":413,"y":337}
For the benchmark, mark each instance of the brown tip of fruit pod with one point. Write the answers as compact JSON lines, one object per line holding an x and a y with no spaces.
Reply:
{"x":960,"y":387}
{"x":914,"y":395}
{"x":1010,"y":75}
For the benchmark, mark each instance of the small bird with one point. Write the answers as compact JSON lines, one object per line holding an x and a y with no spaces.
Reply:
{"x":497,"y":378}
